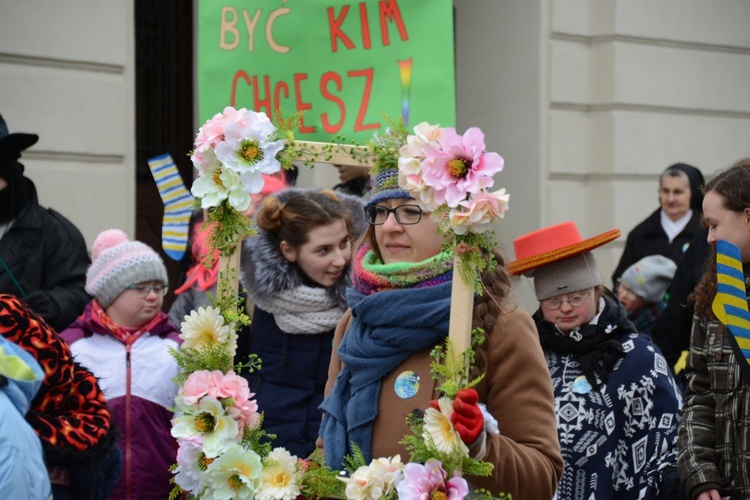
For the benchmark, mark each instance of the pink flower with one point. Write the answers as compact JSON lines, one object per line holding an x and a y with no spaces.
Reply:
{"x":424,"y":482}
{"x":197,"y":385}
{"x":212,"y":132}
{"x":477,"y":213}
{"x":188,"y":473}
{"x":459,"y":166}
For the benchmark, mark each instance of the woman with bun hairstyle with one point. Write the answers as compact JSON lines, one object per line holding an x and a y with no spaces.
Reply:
{"x":381,"y":366}
{"x":296,"y":271}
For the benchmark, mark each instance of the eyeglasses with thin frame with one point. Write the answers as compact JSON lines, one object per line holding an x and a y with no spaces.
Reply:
{"x":144,"y":290}
{"x":406,"y":215}
{"x":575,"y":299}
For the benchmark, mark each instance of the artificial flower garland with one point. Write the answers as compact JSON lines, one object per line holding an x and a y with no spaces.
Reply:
{"x":217,"y":424}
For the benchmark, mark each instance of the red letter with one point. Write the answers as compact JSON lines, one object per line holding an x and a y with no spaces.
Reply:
{"x":331,"y":76}
{"x":277,"y":94}
{"x":237,"y":76}
{"x":265,"y":103}
{"x":367,"y":73}
{"x":390,"y":11}
{"x":302,"y":106}
{"x":365,"y":25}
{"x":335,"y":29}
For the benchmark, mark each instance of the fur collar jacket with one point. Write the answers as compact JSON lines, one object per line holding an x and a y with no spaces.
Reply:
{"x":263,"y":269}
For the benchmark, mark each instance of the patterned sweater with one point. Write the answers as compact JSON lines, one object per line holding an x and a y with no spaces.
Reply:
{"x":616,"y":441}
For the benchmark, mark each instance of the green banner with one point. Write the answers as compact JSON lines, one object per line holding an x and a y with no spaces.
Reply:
{"x":342,"y":63}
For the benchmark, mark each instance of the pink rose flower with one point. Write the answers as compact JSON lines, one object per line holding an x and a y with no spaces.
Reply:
{"x":197,"y":385}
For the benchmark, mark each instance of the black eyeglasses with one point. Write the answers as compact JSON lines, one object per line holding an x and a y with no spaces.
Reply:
{"x":406,"y":215}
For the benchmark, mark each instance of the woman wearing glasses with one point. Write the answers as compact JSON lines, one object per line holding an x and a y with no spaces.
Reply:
{"x":616,"y":401}
{"x":380,"y":367}
{"x":124,"y":339}
{"x":296,"y":271}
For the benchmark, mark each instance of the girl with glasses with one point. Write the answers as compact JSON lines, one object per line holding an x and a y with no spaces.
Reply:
{"x":125,"y":339}
{"x":380,"y":367}
{"x":616,"y":401}
{"x":296,"y":271}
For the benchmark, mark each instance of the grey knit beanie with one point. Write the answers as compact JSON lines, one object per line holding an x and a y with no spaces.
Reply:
{"x":118,"y":263}
{"x":575,"y":273}
{"x":650,"y":277}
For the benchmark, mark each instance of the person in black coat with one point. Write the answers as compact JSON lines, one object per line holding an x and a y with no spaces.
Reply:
{"x":671,"y":332}
{"x":43,"y":256}
{"x":670,"y":229}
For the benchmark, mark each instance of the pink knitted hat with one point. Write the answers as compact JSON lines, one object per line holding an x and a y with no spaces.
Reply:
{"x":118,"y":263}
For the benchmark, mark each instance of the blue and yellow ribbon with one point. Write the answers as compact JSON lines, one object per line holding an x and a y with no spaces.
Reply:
{"x":730,"y":303}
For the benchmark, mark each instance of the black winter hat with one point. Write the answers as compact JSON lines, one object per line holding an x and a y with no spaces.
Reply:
{"x":697,"y":182}
{"x":12,"y":144}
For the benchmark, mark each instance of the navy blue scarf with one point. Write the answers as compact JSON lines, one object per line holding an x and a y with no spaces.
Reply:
{"x":387,"y":327}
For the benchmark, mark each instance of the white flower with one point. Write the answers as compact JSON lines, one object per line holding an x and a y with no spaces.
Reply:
{"x":211,"y":421}
{"x":439,"y":431}
{"x":247,"y":150}
{"x":188,"y":474}
{"x":218,"y":184}
{"x":375,"y":480}
{"x":235,"y":474}
{"x":281,"y":478}
{"x":204,"y":328}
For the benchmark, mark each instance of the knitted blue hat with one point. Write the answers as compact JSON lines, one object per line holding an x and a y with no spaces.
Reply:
{"x":386,"y":184}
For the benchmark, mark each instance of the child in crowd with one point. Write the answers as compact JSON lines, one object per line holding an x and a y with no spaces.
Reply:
{"x":124,"y":338}
{"x":296,"y":272}
{"x":23,"y":475}
{"x":642,"y":288}
{"x":616,"y":400}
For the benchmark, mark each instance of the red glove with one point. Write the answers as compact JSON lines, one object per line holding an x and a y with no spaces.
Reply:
{"x":467,"y":418}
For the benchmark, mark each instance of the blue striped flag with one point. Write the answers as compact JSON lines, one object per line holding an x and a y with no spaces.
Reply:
{"x":730,"y":303}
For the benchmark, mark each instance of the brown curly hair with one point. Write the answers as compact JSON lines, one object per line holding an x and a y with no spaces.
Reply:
{"x":733,"y":185}
{"x":293,"y":220}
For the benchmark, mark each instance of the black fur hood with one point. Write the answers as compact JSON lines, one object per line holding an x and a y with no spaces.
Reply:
{"x":264,"y":270}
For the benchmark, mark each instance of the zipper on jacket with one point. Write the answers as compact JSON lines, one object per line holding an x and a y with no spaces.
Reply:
{"x":128,"y":457}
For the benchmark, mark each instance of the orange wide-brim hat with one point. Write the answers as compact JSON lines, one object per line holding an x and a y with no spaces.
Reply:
{"x":554,"y":243}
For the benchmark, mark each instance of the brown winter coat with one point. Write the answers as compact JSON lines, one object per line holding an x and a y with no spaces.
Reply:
{"x":517,"y":391}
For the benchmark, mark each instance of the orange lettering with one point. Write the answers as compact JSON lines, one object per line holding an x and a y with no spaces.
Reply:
{"x":233,"y":96}
{"x":302,"y":106}
{"x":334,"y":25}
{"x":335,"y":78}
{"x":368,"y":74}
{"x":388,"y":12}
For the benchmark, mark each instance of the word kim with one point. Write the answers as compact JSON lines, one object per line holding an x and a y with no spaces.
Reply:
{"x":268,"y":99}
{"x":339,"y":26}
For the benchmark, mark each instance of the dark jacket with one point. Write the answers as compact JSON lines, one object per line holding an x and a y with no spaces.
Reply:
{"x":671,"y":332}
{"x":47,"y":257}
{"x":714,"y":434}
{"x":289,"y":387}
{"x":649,"y":238}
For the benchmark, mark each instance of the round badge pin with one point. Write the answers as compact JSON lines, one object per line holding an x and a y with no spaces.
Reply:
{"x":407,"y":384}
{"x":581,"y":385}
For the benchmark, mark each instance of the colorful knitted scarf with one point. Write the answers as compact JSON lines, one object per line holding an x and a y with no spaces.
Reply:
{"x":370,"y":275}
